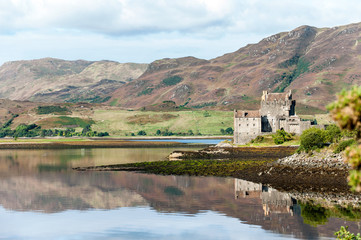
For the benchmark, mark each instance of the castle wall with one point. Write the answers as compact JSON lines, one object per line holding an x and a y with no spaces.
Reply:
{"x":246,"y":129}
{"x":277,"y":108}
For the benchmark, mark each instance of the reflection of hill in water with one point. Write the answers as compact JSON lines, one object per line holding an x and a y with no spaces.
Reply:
{"x":23,"y":187}
{"x":59,"y":193}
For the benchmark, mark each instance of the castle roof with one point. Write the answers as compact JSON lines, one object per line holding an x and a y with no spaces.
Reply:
{"x":248,"y":114}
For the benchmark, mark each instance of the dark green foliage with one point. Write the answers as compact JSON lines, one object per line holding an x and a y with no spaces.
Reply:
{"x":173,"y":191}
{"x":287,"y":78}
{"x":314,"y":214}
{"x":344,"y":234}
{"x":194,"y":167}
{"x":202,"y":105}
{"x":229,"y":131}
{"x":302,"y":67}
{"x":281,"y":136}
{"x":10,"y":121}
{"x":290,"y":62}
{"x":166,"y":132}
{"x":258,"y":139}
{"x":312,"y":139}
{"x":52,"y":109}
{"x":343,"y":145}
{"x":95,"y":99}
{"x":222,"y":131}
{"x":206,"y":114}
{"x":141,"y":133}
{"x":146,"y":91}
{"x":27,"y":130}
{"x":73,"y":121}
{"x":87,"y":132}
{"x":332,"y":133}
{"x":173,"y":80}
{"x":86,"y":129}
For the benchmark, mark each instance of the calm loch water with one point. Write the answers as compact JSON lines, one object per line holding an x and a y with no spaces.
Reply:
{"x":41,"y":197}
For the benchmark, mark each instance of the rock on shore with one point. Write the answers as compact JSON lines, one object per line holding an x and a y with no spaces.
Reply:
{"x":325,"y":159}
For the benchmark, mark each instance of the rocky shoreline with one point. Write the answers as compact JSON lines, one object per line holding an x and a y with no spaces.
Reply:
{"x":325,"y":159}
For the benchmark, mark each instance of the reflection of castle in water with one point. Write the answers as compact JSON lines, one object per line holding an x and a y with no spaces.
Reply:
{"x":273,"y":201}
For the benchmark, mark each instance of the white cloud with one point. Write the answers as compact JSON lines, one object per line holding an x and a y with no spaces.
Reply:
{"x":145,"y":30}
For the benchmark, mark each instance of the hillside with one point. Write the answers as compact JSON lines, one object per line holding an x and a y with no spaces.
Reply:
{"x":55,"y":80}
{"x":315,"y":63}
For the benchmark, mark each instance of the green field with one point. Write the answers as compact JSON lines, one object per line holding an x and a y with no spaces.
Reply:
{"x":123,"y":122}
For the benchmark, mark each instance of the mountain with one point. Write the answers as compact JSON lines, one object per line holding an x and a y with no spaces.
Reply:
{"x":315,"y":63}
{"x":55,"y":80}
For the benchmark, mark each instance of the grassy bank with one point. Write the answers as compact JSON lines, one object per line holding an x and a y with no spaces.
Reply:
{"x":123,"y":123}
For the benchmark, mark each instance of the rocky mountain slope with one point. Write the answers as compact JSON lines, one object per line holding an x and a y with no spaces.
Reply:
{"x":55,"y":80}
{"x":315,"y":63}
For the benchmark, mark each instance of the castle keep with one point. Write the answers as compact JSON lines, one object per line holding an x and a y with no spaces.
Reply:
{"x":277,"y":112}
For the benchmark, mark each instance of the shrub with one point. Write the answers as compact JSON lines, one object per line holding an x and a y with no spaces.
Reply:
{"x":229,"y":131}
{"x":312,"y":139}
{"x":343,"y":145}
{"x":173,"y":80}
{"x":258,"y":139}
{"x":332,"y":133}
{"x":281,"y":136}
{"x":344,"y":234}
{"x":206,"y":114}
{"x":141,"y":133}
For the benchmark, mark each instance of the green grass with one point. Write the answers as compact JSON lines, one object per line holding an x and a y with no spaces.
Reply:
{"x":41,"y":140}
{"x":68,"y":121}
{"x":117,"y":122}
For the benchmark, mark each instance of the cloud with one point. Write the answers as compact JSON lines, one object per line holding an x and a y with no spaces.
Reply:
{"x":113,"y":17}
{"x":146,"y":30}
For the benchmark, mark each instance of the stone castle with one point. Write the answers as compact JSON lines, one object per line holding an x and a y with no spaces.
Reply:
{"x":277,"y":112}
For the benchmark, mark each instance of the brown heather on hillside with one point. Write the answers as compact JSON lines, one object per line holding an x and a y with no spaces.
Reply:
{"x":314,"y":62}
{"x":55,"y":80}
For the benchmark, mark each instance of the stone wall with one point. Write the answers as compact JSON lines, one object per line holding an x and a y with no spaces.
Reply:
{"x":246,"y":129}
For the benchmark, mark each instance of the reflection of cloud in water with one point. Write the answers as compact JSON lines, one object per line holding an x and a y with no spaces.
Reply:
{"x":127,"y":223}
{"x":273,"y":201}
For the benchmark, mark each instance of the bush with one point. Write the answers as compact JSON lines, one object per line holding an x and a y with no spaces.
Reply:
{"x":229,"y":131}
{"x":281,"y":136}
{"x":312,"y":139}
{"x":258,"y":139}
{"x":344,"y":234}
{"x":332,"y":133}
{"x":141,"y":133}
{"x":343,"y":145}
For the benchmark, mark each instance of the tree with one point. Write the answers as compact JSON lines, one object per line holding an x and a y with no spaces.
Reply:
{"x":229,"y":131}
{"x":86,"y":129}
{"x":346,"y":111}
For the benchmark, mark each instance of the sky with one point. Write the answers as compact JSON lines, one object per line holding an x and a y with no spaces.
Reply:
{"x":146,"y":30}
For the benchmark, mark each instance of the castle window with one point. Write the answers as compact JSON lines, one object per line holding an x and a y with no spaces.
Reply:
{"x":247,"y":124}
{"x":254,"y":124}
